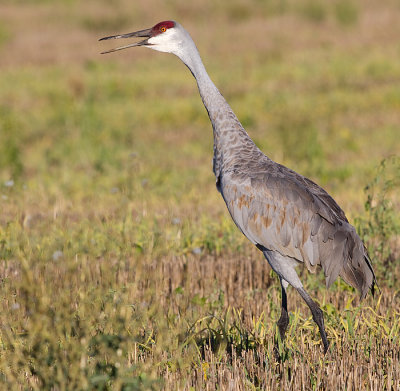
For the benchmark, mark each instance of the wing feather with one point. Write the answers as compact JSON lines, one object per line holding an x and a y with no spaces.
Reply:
{"x":282,"y":211}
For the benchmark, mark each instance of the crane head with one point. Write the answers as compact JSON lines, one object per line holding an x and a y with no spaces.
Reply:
{"x":164,"y":37}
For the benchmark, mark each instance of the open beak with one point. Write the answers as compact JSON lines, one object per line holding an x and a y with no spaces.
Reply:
{"x":142,"y":33}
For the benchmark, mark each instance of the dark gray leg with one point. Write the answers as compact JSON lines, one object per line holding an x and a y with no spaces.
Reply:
{"x":317,"y":316}
{"x":285,"y":268}
{"x":283,"y":321}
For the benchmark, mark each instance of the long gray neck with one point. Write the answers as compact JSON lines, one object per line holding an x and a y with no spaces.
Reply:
{"x":230,"y":139}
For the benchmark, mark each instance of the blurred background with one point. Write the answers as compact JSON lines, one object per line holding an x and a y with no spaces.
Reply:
{"x":313,"y":82}
{"x":106,"y":187}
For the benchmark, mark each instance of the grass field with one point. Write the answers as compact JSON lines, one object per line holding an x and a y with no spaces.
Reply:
{"x":120,"y":268}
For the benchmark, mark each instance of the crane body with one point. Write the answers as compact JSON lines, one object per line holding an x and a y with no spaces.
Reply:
{"x":288,"y":217}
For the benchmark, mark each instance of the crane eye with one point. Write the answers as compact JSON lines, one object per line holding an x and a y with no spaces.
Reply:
{"x":163,"y":29}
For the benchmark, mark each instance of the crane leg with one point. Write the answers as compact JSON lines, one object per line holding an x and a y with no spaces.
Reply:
{"x":317,"y":316}
{"x":283,"y":321}
{"x":285,"y":268}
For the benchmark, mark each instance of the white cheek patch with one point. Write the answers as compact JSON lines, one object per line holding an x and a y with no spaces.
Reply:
{"x":163,"y":42}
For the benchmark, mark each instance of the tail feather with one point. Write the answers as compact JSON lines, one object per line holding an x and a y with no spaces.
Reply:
{"x":358,"y":272}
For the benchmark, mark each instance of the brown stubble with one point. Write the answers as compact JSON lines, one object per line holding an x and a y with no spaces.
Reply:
{"x":246,"y":283}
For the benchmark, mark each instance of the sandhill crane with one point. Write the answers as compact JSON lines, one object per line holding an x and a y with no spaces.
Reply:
{"x":288,"y":217}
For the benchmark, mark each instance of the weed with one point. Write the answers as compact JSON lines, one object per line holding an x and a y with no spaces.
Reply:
{"x":10,"y":155}
{"x":314,"y":10}
{"x":346,"y":12}
{"x":381,"y":226}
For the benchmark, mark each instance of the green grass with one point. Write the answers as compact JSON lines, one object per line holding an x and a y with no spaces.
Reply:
{"x":119,"y":265}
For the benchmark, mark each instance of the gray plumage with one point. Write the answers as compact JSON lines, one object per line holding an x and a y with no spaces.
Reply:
{"x":288,"y":217}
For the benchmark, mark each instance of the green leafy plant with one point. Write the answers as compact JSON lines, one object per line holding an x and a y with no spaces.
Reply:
{"x":381,"y":225}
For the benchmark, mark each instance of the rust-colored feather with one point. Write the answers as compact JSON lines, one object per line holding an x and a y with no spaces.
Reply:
{"x":285,"y":212}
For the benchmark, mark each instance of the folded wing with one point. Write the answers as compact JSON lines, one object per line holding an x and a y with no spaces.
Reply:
{"x":283,"y":211}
